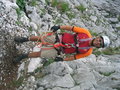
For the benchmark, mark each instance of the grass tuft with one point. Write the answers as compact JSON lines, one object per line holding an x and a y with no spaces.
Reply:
{"x":80,"y":8}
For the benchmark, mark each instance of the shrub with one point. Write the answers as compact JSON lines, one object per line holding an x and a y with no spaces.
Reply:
{"x":58,"y":21}
{"x":70,"y":15}
{"x":62,"y":6}
{"x":107,"y":51}
{"x":21,"y":4}
{"x":93,"y":33}
{"x":81,"y":8}
{"x":17,"y":83}
{"x":33,"y":3}
{"x":18,"y":11}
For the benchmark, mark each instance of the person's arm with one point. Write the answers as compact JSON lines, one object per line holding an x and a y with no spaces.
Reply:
{"x":74,"y":57}
{"x":81,"y":30}
{"x":66,"y":27}
{"x":78,"y":56}
{"x":69,"y":58}
{"x":71,"y":28}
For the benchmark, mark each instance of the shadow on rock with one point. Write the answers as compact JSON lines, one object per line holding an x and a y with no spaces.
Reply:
{"x":7,"y":68}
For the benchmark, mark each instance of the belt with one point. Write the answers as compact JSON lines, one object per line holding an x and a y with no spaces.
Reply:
{"x":57,"y":40}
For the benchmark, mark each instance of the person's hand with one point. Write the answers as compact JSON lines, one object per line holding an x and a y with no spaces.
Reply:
{"x":57,"y":59}
{"x":55,"y":28}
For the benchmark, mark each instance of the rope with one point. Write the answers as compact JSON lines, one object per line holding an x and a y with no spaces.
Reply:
{"x":58,"y":44}
{"x":39,"y":44}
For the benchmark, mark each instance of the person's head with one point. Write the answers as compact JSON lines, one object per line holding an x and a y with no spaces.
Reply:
{"x":100,"y":42}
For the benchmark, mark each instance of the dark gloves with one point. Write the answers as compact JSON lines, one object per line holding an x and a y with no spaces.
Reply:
{"x":57,"y":59}
{"x":55,"y":28}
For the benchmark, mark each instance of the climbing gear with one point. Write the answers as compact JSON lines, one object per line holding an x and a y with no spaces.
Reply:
{"x":55,"y":28}
{"x":69,"y":43}
{"x":50,"y":41}
{"x":106,"y":41}
{"x":57,"y":59}
{"x":21,"y":39}
{"x":73,"y":42}
{"x":20,"y":57}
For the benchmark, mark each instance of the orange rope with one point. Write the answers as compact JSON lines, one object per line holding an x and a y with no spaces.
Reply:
{"x":39,"y":44}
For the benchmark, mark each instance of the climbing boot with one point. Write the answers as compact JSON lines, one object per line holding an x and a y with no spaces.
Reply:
{"x":20,"y":57}
{"x":21,"y":39}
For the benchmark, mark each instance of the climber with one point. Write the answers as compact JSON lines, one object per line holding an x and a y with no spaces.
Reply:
{"x":64,"y":46}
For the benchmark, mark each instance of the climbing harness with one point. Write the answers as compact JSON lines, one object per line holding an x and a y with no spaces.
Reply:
{"x":59,"y":44}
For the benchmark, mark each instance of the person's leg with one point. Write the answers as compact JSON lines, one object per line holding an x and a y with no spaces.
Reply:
{"x":29,"y":55}
{"x":43,"y":53}
{"x":48,"y":53}
{"x":44,"y":37}
{"x":25,"y":39}
{"x":34,"y":54}
{"x":21,"y":39}
{"x":34,"y":38}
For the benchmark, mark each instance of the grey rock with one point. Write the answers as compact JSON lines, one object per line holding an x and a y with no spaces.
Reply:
{"x":58,"y":88}
{"x":40,"y":88}
{"x":65,"y":82}
{"x":52,"y":80}
{"x":93,"y":18}
{"x":87,"y":77}
{"x":33,"y":25}
{"x":76,"y":88}
{"x":113,"y":20}
{"x":60,"y":68}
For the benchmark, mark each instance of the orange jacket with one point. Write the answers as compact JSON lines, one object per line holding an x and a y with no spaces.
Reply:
{"x":82,"y":30}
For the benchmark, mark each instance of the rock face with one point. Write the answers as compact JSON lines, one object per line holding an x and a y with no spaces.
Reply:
{"x":91,"y":73}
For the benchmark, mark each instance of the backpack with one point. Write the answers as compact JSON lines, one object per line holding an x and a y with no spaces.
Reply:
{"x":75,"y":43}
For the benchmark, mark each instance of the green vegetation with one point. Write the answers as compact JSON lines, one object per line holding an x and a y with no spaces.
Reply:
{"x":118,"y":28}
{"x":17,"y":83}
{"x":84,"y":16}
{"x":119,"y":18}
{"x":38,"y":70}
{"x":39,"y":75}
{"x":111,"y":51}
{"x":107,"y":51}
{"x":54,"y":3}
{"x":93,"y":33}
{"x":99,"y":21}
{"x":19,"y":14}
{"x":81,"y":8}
{"x":47,"y":2}
{"x":42,"y":11}
{"x":21,"y":4}
{"x":70,"y":15}
{"x":30,"y":29}
{"x":33,"y":3}
{"x":48,"y":62}
{"x":18,"y":23}
{"x":106,"y":73}
{"x":57,"y":21}
{"x":18,"y":11}
{"x":62,"y":6}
